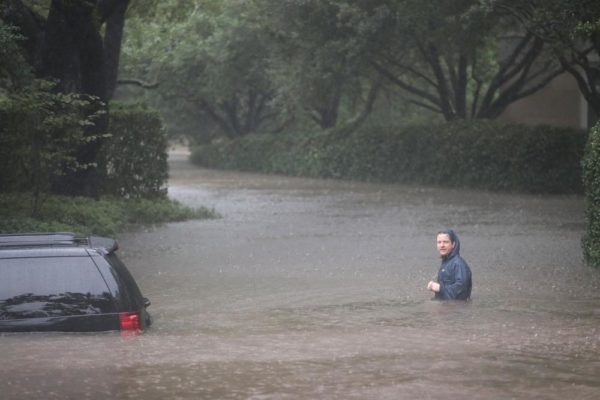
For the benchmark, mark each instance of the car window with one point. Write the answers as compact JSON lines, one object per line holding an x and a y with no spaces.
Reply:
{"x":53,"y":286}
{"x":122,"y":274}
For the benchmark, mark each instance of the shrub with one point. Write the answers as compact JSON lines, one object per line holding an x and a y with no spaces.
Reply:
{"x":591,"y":181}
{"x":107,"y":216}
{"x":40,"y":134}
{"x":136,"y":153}
{"x":479,"y":154}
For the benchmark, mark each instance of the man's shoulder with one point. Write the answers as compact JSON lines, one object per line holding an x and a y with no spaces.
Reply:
{"x":458,"y":260}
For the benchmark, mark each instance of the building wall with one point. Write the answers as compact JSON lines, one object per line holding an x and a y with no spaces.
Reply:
{"x":560,"y":103}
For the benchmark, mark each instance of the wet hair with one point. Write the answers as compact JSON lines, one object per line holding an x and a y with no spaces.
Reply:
{"x":453,"y":238}
{"x":450,"y":233}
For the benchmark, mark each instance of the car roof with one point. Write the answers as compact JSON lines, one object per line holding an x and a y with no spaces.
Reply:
{"x":53,"y":244}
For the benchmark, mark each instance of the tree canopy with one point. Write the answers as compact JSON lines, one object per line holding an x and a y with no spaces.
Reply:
{"x":76,"y":44}
{"x":460,"y":59}
{"x":250,"y":66}
{"x":572,"y":29}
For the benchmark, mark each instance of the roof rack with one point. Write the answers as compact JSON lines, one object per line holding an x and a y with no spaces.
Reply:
{"x":56,"y":239}
{"x":37,"y":239}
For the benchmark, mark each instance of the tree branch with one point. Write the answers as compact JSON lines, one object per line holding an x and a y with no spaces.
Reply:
{"x":427,"y":106}
{"x":515,"y":92}
{"x":586,"y":86}
{"x":412,"y":70}
{"x":137,"y":82}
{"x":214,"y":115}
{"x":511,"y":67}
{"x":409,"y":88}
{"x":443,"y":90}
{"x":368,"y":107}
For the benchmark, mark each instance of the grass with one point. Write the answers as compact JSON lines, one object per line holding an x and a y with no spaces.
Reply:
{"x":108,"y":216}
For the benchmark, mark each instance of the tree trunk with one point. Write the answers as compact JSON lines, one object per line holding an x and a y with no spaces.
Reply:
{"x":587,"y":77}
{"x":68,"y":47}
{"x":74,"y":54}
{"x":115,"y":22}
{"x":327,"y":115}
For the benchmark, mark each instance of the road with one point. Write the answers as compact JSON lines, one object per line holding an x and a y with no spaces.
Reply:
{"x":315,"y":289}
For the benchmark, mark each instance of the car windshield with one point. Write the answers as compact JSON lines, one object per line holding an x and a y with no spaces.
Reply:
{"x":51,"y":287}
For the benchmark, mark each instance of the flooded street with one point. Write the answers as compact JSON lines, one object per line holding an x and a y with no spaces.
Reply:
{"x":315,"y":289}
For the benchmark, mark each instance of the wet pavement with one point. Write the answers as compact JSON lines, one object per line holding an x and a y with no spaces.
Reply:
{"x":315,"y":289}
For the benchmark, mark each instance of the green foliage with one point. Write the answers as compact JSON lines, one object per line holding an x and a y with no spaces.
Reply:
{"x":236,"y":67}
{"x":591,"y":181}
{"x":212,"y":66}
{"x":560,"y":22}
{"x":456,"y":57}
{"x":40,"y":134}
{"x":481,"y":154}
{"x":14,"y":70}
{"x":136,"y":153}
{"x":146,"y":211}
{"x":42,"y":131}
{"x":108,"y":216}
{"x":319,"y":62}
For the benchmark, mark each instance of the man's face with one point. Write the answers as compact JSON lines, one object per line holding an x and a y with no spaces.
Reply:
{"x":444,"y":244}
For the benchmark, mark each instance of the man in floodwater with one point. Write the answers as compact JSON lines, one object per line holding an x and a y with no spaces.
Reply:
{"x":454,"y":276}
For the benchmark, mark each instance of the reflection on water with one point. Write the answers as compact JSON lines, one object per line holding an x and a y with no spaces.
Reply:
{"x":315,"y":289}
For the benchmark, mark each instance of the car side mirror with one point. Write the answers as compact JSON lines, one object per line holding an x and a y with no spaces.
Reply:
{"x":147,"y":302}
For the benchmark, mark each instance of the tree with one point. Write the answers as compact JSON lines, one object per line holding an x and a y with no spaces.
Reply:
{"x":211,"y":61}
{"x":453,"y":57}
{"x":78,"y":45}
{"x":318,"y":64}
{"x":254,"y":66}
{"x":572,"y":29}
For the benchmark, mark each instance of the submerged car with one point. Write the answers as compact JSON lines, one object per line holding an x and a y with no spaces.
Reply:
{"x":60,"y":282}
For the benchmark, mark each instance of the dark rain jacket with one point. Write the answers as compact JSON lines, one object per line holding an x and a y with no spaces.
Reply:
{"x":454,"y":275}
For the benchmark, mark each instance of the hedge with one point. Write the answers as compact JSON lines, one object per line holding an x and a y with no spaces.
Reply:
{"x":591,"y":180}
{"x":482,"y":154}
{"x":136,"y":153}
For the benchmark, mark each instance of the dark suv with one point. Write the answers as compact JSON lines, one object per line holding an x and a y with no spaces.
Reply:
{"x":60,"y":282}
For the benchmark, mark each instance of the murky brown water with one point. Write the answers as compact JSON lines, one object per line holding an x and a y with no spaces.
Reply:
{"x":311,"y":289}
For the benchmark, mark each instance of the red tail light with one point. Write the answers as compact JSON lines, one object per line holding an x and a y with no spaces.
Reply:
{"x":130,"y":322}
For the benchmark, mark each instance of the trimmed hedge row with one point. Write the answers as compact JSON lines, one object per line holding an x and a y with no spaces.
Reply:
{"x":591,"y":180}
{"x":33,"y":143}
{"x":481,"y":154}
{"x":136,"y":153}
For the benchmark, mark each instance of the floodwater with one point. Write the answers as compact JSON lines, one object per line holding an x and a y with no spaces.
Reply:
{"x":315,"y":289}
